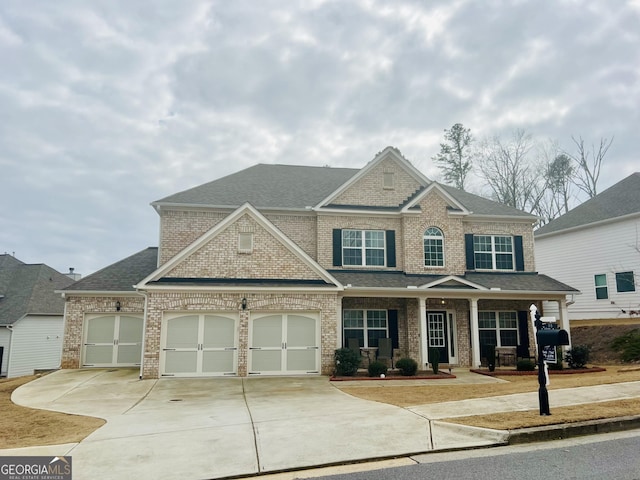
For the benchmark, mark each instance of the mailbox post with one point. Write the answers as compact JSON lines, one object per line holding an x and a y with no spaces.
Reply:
{"x":545,"y":338}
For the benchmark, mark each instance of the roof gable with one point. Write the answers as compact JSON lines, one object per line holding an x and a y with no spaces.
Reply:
{"x":619,"y":200}
{"x":217,"y":254}
{"x":366,"y":188}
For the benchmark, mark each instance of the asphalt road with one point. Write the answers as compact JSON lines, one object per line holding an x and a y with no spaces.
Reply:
{"x":608,"y":456}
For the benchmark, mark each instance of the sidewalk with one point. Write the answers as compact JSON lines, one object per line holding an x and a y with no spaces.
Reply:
{"x":214,"y":428}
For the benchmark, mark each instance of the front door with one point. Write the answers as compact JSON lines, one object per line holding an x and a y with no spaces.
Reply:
{"x":437,"y":329}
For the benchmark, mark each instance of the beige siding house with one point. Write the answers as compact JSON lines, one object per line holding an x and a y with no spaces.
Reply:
{"x":269,"y":270}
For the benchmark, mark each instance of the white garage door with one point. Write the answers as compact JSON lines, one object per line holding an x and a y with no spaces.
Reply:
{"x":284,"y":344}
{"x":112,"y":341}
{"x":199,"y":345}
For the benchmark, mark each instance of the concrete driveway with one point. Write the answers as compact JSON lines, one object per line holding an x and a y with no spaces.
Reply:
{"x":218,"y":427}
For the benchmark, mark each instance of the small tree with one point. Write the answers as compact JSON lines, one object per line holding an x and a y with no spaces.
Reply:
{"x":454,"y":158}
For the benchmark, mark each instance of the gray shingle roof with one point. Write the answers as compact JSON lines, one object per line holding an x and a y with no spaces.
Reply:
{"x":120,"y":276}
{"x":621,"y":199}
{"x":29,"y":289}
{"x":296,"y":187}
{"x":266,"y":186}
{"x":521,"y":281}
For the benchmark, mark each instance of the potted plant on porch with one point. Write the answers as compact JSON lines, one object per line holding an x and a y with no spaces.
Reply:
{"x":491,"y":357}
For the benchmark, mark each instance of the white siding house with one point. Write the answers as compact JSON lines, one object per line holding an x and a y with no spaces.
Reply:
{"x":31,"y":317}
{"x":595,"y":248}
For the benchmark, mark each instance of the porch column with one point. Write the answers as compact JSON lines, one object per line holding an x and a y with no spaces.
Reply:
{"x":424,"y":357}
{"x":339,"y":323}
{"x":475,"y":333}
{"x":564,"y":323}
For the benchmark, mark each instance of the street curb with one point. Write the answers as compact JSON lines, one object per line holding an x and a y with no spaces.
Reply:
{"x":568,"y":430}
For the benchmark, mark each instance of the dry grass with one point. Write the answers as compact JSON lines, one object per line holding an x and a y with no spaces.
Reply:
{"x":405,"y":396}
{"x":26,"y":427}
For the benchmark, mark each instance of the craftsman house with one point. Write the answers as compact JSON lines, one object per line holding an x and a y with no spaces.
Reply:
{"x":267,"y":271}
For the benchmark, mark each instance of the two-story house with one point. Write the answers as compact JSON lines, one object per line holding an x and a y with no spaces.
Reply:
{"x":269,"y":270}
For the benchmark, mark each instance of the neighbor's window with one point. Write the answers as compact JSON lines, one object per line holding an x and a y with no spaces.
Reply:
{"x":363,"y":247}
{"x":366,"y":325}
{"x":625,"y":282}
{"x":433,"y":247}
{"x":602,"y":292}
{"x":498,"y":328}
{"x":493,"y":252}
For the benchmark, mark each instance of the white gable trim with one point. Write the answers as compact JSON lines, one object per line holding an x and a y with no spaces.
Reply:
{"x":247,"y":209}
{"x":449,"y":278}
{"x":437,"y":188}
{"x":389,"y":151}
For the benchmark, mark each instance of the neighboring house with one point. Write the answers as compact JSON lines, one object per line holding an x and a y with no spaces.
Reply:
{"x":31,"y":316}
{"x":596,"y":248}
{"x":269,"y":270}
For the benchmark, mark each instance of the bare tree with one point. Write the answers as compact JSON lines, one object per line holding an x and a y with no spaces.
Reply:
{"x":513,"y":177}
{"x":454,"y":158}
{"x":589,"y":163}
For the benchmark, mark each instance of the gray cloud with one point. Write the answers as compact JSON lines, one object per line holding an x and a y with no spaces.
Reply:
{"x":110,"y":105}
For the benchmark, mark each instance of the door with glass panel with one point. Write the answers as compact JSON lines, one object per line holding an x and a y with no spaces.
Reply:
{"x":437,"y":329}
{"x":199,"y":345}
{"x":284,"y":343}
{"x":112,"y":341}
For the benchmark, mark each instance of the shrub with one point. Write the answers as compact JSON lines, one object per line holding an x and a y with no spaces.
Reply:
{"x":407,"y":366}
{"x":347,"y":362}
{"x":578,"y":356}
{"x":628,"y":345}
{"x":377,"y":368}
{"x":525,"y":365}
{"x":434,"y":357}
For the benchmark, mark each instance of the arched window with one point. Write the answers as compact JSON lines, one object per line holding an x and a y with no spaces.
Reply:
{"x":433,"y":247}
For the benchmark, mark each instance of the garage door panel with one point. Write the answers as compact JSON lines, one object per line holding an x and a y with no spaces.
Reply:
{"x":219,"y":332}
{"x":98,"y":354}
{"x":182,"y":332}
{"x":180,"y":362}
{"x":101,"y":330}
{"x":128,"y":354}
{"x":266,"y":361}
{"x":301,"y":331}
{"x":130,"y":329}
{"x":267,"y":332}
{"x":301,"y":360}
{"x":218,"y":362}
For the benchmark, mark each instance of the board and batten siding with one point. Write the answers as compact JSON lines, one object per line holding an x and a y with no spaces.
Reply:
{"x":576,"y":257}
{"x":5,"y":341}
{"x":36,"y":345}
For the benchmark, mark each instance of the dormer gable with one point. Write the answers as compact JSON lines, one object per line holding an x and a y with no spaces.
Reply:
{"x":388,"y":181}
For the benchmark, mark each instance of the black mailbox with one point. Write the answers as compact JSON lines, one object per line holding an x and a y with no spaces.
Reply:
{"x":552,"y":338}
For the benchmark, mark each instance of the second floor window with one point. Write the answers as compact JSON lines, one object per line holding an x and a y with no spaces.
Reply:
{"x":493,"y":252}
{"x":625,"y":282}
{"x":433,"y":248}
{"x":363,"y":247}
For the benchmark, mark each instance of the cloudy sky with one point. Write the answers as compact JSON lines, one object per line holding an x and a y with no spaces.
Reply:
{"x":106,"y":106}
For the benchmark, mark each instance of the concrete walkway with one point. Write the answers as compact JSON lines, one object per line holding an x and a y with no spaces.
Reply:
{"x":219,"y":427}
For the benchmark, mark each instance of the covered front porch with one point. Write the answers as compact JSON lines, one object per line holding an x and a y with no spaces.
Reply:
{"x":454,"y":315}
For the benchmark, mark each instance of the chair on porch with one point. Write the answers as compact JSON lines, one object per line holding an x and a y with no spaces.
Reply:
{"x":385,"y":350}
{"x":353,"y":344}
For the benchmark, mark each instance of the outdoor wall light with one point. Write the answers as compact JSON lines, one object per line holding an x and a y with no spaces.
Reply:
{"x":442,"y":301}
{"x":118,"y":306}
{"x":244,"y":303}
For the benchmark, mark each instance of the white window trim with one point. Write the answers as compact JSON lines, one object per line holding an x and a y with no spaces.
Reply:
{"x":365,"y":328}
{"x":494,"y":253}
{"x":363,"y":248}
{"x":605,"y":286}
{"x":429,"y":237}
